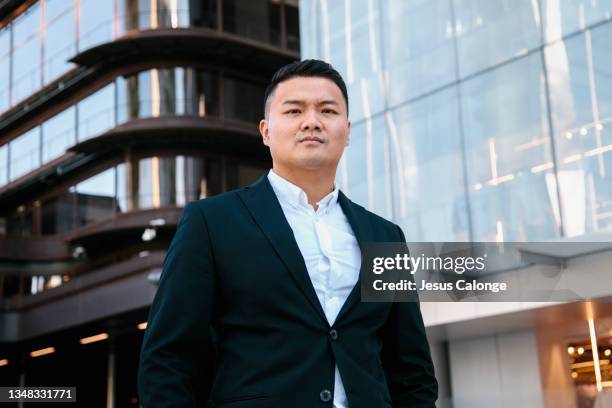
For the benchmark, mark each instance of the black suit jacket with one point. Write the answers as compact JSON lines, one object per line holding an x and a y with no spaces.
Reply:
{"x":236,"y":321}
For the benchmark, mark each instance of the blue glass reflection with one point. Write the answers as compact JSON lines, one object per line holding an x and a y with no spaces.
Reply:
{"x":25,"y":153}
{"x":491,"y":31}
{"x":580,"y":72}
{"x":511,"y":179}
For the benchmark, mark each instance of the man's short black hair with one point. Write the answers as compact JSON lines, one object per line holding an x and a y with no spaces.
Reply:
{"x":306,"y":68}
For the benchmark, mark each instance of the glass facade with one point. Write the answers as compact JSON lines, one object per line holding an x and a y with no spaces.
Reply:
{"x":152,"y":93}
{"x":35,"y":47}
{"x":476,"y":119}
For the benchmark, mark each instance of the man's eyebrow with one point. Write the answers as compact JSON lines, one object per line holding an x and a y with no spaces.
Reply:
{"x":301,"y":102}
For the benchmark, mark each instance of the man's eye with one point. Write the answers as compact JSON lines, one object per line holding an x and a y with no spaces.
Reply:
{"x":293,"y":111}
{"x":329,"y":111}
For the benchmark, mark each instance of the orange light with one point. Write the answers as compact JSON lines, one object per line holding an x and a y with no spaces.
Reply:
{"x":93,"y":339}
{"x":3,"y":362}
{"x":42,"y":352}
{"x":142,"y":325}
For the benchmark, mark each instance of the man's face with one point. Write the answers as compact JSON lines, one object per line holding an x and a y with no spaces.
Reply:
{"x":307,"y":126}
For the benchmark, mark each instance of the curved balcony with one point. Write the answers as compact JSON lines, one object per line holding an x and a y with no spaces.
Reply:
{"x":225,"y":49}
{"x":126,"y":227}
{"x":224,"y":137}
{"x":160,"y":108}
{"x":110,"y":207}
{"x":44,"y":249}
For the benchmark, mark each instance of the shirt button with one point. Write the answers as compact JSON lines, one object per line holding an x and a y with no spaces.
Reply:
{"x":325,"y":395}
{"x":333,"y":333}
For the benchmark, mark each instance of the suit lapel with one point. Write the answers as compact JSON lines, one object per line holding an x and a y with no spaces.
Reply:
{"x":262,"y":203}
{"x":360,"y":223}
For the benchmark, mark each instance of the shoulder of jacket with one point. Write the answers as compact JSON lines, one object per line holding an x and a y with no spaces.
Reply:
{"x":217,"y":201}
{"x":375,"y":218}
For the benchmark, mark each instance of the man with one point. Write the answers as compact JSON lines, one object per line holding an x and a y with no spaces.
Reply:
{"x":258,"y":302}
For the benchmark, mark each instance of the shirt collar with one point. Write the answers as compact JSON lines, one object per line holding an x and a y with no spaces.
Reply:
{"x":293,"y":195}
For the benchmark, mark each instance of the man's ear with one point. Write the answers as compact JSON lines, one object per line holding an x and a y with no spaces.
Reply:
{"x":348,"y":136}
{"x":265,"y":134}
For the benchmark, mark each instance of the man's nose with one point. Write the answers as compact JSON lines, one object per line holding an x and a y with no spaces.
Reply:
{"x":311,"y":122}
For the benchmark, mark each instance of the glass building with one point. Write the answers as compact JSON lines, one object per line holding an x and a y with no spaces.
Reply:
{"x":489,"y":121}
{"x":113,"y":115}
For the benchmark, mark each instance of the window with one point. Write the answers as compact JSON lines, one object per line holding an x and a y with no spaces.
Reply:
{"x":95,"y":23}
{"x":26,"y":54}
{"x":428,"y":168}
{"x":3,"y":164}
{"x":60,"y":33}
{"x":96,"y":113}
{"x":5,"y":69}
{"x":256,"y":19}
{"x":25,"y":153}
{"x":581,"y":103}
{"x":489,"y":32}
{"x":243,"y":100}
{"x":58,"y":214}
{"x":96,"y":197}
{"x":58,"y":134}
{"x":418,"y":47}
{"x":511,"y":180}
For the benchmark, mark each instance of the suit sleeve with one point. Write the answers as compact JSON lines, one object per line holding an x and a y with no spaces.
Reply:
{"x":406,"y":357}
{"x":176,"y":360}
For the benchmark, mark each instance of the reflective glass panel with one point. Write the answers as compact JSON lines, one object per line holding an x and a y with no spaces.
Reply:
{"x":96,"y":113}
{"x":511,"y":180}
{"x":59,"y":134}
{"x":491,"y":31}
{"x":238,"y":175}
{"x":26,"y":58}
{"x":363,"y":172}
{"x":419,"y":53}
{"x":135,"y":96}
{"x":144,"y":194}
{"x":25,"y":153}
{"x":5,"y":68}
{"x":364,"y":74}
{"x":256,"y":19}
{"x":203,"y":13}
{"x":292,"y":24}
{"x":202,"y":92}
{"x":3,"y":164}
{"x":95,"y":23}
{"x":563,"y":17}
{"x":60,"y":36}
{"x":58,"y":214}
{"x":243,"y":100}
{"x":121,"y":177}
{"x":428,"y":168}
{"x":20,"y":223}
{"x":580,"y":77}
{"x":96,"y":197}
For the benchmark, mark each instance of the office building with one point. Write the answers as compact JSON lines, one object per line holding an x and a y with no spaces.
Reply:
{"x":488,"y":121}
{"x":113,"y":115}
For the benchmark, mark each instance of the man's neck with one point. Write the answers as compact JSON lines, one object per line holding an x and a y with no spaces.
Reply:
{"x":316,"y":184}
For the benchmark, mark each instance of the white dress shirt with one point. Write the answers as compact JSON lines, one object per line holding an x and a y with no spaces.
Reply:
{"x":329,"y":248}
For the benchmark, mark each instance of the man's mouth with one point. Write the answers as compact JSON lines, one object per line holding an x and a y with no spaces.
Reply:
{"x":311,"y":139}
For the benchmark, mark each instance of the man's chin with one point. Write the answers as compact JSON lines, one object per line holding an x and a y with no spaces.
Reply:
{"x":316,"y":163}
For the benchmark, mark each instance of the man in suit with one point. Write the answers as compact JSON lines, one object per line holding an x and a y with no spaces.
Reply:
{"x":258,"y":303}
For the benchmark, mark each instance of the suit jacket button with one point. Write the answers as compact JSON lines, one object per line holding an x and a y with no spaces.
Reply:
{"x":333,"y":333}
{"x":325,"y":395}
